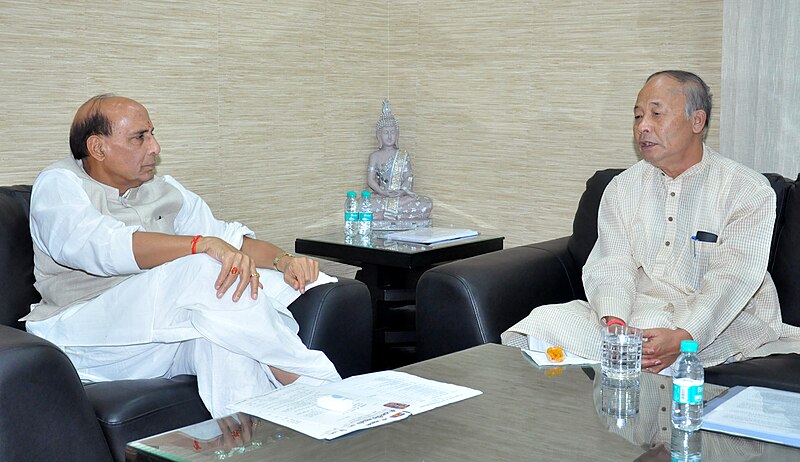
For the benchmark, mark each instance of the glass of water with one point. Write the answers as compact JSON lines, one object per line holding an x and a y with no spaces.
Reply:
{"x":621,"y":355}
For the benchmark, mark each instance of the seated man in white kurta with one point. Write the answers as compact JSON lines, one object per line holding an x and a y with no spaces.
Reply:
{"x":139,"y":280}
{"x":646,"y":269}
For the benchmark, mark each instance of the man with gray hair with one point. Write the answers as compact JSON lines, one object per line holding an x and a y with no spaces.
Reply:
{"x":139,"y":279}
{"x":682,"y":248}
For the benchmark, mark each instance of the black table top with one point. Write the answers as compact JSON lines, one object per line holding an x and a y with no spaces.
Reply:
{"x":378,"y":250}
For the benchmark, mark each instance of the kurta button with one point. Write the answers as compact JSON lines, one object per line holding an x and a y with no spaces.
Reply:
{"x":663,"y":408}
{"x":663,"y":429}
{"x":662,"y":386}
{"x":669,"y":219}
{"x":666,"y":243}
{"x":672,"y":194}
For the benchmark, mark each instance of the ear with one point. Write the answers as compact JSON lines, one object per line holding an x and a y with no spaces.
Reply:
{"x":96,"y":147}
{"x":698,"y":121}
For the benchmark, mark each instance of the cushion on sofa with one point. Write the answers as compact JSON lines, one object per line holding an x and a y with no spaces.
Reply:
{"x":16,"y":279}
{"x":584,"y":226}
{"x":785,"y":270}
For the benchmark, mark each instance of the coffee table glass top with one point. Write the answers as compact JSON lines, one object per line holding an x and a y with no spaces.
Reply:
{"x":526,"y":412}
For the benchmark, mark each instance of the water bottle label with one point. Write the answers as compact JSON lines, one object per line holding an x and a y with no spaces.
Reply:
{"x":350,"y":216}
{"x":692,"y":394}
{"x":365,"y":216}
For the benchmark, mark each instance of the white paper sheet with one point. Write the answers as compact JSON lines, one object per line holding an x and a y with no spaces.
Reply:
{"x":756,"y":412}
{"x":541,"y":359}
{"x":431,"y":235}
{"x":378,"y":398}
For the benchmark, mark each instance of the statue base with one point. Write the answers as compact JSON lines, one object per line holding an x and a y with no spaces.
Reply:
{"x":399,"y":225}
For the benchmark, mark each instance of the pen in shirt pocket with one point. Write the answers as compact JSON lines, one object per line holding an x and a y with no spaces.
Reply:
{"x":705,"y":236}
{"x":702,"y":236}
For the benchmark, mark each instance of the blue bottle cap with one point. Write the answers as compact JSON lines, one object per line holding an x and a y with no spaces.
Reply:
{"x":689,"y":346}
{"x":351,"y":194}
{"x":365,"y":194}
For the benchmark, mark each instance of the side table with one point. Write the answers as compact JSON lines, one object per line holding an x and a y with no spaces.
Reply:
{"x":391,"y":270}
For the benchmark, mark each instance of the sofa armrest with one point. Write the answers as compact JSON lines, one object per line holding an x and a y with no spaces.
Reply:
{"x":44,"y":412}
{"x":779,"y":371}
{"x":472,"y":301}
{"x":336,"y":318}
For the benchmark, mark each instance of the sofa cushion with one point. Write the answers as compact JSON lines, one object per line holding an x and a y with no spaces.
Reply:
{"x":782,"y":187}
{"x":16,"y":256}
{"x":786,"y":268}
{"x":132,"y":409}
{"x":584,"y":226}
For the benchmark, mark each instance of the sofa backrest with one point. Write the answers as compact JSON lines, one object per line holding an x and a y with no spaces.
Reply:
{"x":785,"y":262}
{"x":784,"y":251}
{"x":584,"y":226}
{"x":16,"y":255}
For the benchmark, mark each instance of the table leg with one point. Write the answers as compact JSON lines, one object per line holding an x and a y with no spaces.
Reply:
{"x":393,"y":292}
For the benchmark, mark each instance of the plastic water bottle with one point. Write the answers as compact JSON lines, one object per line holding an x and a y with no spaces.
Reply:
{"x":687,"y":388}
{"x":686,"y":446}
{"x":364,"y":215}
{"x":350,"y":214}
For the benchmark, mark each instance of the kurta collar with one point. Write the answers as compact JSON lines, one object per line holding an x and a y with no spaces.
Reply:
{"x":111,"y":192}
{"x":695,"y":169}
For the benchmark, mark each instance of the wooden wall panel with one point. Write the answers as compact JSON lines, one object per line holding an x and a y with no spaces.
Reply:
{"x":267,"y":109}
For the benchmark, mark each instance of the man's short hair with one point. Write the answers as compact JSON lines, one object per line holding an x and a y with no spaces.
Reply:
{"x":697,"y":93}
{"x":95,"y":123}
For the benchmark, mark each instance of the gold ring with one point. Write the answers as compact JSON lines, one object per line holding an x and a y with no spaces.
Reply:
{"x":234,"y":271}
{"x":255,"y":275}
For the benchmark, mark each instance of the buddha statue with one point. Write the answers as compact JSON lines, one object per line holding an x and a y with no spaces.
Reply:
{"x":389,"y":176}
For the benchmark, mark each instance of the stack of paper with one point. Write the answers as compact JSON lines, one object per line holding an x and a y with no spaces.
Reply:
{"x":755,"y":412}
{"x":431,"y":235}
{"x":376,"y":399}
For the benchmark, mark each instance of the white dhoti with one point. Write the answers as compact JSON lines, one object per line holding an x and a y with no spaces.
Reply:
{"x":576,"y":327}
{"x":168,"y":321}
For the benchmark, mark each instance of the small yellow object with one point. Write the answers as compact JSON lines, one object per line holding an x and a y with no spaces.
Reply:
{"x":554,"y":371}
{"x":555,"y":354}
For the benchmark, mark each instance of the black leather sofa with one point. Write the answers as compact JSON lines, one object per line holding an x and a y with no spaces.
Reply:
{"x":472,"y":301}
{"x":46,"y":413}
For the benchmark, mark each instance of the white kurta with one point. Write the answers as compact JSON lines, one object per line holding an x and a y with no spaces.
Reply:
{"x":646,"y":269}
{"x":165,"y":321}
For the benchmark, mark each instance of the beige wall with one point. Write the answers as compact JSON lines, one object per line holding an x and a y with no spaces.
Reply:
{"x":267,"y":109}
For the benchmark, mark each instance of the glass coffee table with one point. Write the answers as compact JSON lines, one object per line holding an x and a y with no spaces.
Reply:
{"x":391,"y":269}
{"x":525,"y":413}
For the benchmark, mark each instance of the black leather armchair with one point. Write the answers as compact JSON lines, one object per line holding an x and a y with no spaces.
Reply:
{"x":46,"y":413}
{"x":472,"y":301}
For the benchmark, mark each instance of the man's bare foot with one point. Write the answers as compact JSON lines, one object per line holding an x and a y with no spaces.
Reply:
{"x":283,"y":377}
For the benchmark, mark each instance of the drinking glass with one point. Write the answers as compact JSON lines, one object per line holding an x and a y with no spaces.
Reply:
{"x":621,"y":355}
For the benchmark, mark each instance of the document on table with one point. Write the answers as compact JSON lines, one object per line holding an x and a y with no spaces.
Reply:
{"x":756,"y":412}
{"x":431,"y":235}
{"x":377,"y":398}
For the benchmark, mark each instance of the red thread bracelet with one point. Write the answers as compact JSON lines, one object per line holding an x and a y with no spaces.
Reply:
{"x":615,"y":321}
{"x":194,"y":243}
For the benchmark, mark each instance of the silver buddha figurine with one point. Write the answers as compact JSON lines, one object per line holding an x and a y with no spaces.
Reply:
{"x":390,"y":178}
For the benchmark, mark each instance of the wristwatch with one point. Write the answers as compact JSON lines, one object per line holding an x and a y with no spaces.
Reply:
{"x":278,"y":258}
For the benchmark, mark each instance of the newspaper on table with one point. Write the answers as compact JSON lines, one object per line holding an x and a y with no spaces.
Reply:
{"x":371,"y":399}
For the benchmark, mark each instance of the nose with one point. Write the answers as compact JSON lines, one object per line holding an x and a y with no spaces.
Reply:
{"x":644,"y":125}
{"x":155,"y":148}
